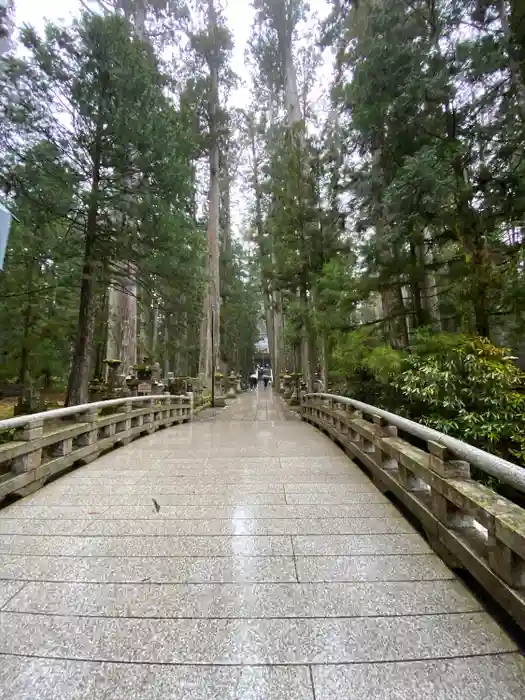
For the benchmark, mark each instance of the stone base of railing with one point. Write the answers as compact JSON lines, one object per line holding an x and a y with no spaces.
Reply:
{"x":50,"y":443}
{"x":468,"y":525}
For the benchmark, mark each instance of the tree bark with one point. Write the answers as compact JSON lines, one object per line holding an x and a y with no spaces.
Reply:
{"x":79,"y":376}
{"x":122,"y":302}
{"x":211,"y":312}
{"x":272,"y":298}
{"x":77,"y":390}
{"x":24,"y":374}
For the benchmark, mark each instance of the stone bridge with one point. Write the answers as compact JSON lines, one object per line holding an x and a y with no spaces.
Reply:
{"x":247,"y":557}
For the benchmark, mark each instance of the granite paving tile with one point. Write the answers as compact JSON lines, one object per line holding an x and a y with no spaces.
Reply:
{"x":246,"y":512}
{"x":185,"y":546}
{"x":361,"y":494}
{"x":266,"y":463}
{"x":186,"y":499}
{"x":284,"y":600}
{"x":184,"y":486}
{"x":50,"y":679}
{"x":337,"y":545}
{"x":10,"y":667}
{"x":39,"y":544}
{"x":230,"y":641}
{"x":411,"y":567}
{"x":32,"y":526}
{"x":342,"y":487}
{"x":8,"y":589}
{"x":86,"y":474}
{"x":285,"y":526}
{"x":25,"y":678}
{"x":500,"y":677}
{"x":92,"y":499}
{"x":24,"y":509}
{"x":148,"y":569}
{"x":201,"y":683}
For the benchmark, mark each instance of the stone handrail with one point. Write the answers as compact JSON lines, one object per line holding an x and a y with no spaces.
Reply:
{"x":44,"y":444}
{"x":468,"y":524}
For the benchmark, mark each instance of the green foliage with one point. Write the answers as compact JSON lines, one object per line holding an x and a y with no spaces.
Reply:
{"x":467,"y":387}
{"x":438,"y":187}
{"x":461,"y":385}
{"x":361,"y":351}
{"x":39,"y":284}
{"x":99,"y":172}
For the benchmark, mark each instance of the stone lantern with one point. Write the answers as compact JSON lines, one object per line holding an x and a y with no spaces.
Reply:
{"x":232,"y":386}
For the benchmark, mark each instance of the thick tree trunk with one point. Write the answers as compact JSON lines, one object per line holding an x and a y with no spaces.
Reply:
{"x":270,"y":328}
{"x":211,"y":312}
{"x":278,"y":343}
{"x":308,"y":343}
{"x":122,"y":317}
{"x":205,"y":339}
{"x":101,"y":333}
{"x":80,"y":373}
{"x":272,"y":298}
{"x":294,"y":119}
{"x":394,"y":313}
{"x":77,"y":390}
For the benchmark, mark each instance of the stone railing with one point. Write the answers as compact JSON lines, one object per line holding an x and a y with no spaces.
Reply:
{"x":468,"y":524}
{"x":36,"y":447}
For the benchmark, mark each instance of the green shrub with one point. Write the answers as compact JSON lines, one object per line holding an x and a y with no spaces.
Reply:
{"x":463,"y":386}
{"x":466,"y":387}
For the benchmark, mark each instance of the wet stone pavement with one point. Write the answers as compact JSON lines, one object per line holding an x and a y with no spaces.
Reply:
{"x":241,"y":558}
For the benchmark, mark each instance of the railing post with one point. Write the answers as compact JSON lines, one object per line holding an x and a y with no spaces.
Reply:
{"x":124,"y":426}
{"x":353,"y":435}
{"x":90,"y":437}
{"x":302,"y":407}
{"x":504,"y":561}
{"x":440,"y":463}
{"x":151,"y":415}
{"x":62,"y":448}
{"x":384,"y":430}
{"x":31,"y":460}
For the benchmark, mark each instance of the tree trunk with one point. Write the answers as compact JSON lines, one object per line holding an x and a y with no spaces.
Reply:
{"x":420,"y":315}
{"x":515,"y":48}
{"x":79,"y":376}
{"x":101,"y":333}
{"x":77,"y":390}
{"x":272,"y":298}
{"x":308,"y":347}
{"x":154,"y":328}
{"x":23,"y":374}
{"x":209,"y":355}
{"x":166,"y":345}
{"x":122,"y":303}
{"x":294,"y":119}
{"x":278,"y":343}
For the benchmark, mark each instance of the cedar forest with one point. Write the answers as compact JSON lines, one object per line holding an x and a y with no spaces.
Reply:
{"x":382,"y":234}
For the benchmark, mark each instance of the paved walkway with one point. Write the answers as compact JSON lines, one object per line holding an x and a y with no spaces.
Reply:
{"x":241,"y":559}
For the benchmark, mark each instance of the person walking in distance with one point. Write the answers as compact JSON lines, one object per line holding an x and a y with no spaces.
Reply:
{"x":254,"y":380}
